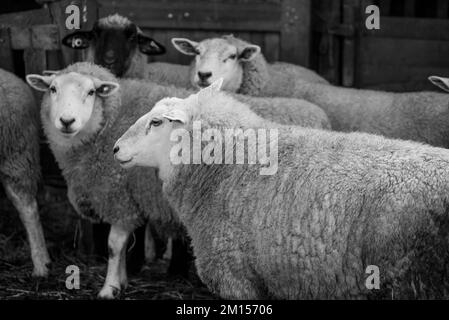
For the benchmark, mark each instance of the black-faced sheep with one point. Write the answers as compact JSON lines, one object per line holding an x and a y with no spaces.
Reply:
{"x":19,"y":161}
{"x":336,"y":204}
{"x":117,"y":44}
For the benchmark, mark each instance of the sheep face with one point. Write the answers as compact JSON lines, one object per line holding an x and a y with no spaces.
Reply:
{"x":74,"y":102}
{"x":113,"y":42}
{"x":217,"y":58}
{"x":148,"y":142}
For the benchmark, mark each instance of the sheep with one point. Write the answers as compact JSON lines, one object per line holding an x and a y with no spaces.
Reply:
{"x":417,"y":116}
{"x":19,"y":161}
{"x":83,"y":112}
{"x":242,"y":67}
{"x":338,"y":204}
{"x":117,"y":44}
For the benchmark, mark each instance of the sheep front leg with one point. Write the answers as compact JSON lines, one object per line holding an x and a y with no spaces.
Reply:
{"x":29,"y":214}
{"x":150,"y":245}
{"x":116,"y":278}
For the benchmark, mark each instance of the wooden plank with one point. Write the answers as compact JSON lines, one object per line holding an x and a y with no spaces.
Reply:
{"x":411,"y":28}
{"x":54,"y":60}
{"x":212,"y":15}
{"x":442,"y":9}
{"x":399,"y":78}
{"x":389,"y":52}
{"x":25,"y":18}
{"x":6,"y":59}
{"x":350,"y":7}
{"x":409,"y":8}
{"x":329,"y":46}
{"x":35,"y":62}
{"x":385,"y":7}
{"x":272,"y":45}
{"x":40,"y":37}
{"x":296,"y":31}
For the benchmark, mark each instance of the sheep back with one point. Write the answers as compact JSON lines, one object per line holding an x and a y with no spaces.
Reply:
{"x":338,"y":203}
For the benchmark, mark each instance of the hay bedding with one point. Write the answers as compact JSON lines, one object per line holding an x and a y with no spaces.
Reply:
{"x":59,"y":222}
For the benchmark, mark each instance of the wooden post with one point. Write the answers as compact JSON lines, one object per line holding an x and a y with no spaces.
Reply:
{"x":296,"y":31}
{"x":350,"y":15}
{"x":6,"y":60}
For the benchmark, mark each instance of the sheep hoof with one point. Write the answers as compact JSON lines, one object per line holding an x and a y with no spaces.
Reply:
{"x":41,"y":271}
{"x":109,"y":292}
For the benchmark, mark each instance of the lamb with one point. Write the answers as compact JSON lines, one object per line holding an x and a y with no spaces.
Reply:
{"x":83,"y":113}
{"x":242,"y":67}
{"x":338,"y":203}
{"x":19,"y":161}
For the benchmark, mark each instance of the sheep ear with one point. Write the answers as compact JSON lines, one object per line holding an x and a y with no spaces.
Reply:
{"x":211,"y":90}
{"x":249,"y":52}
{"x":78,"y":40}
{"x":38,"y":82}
{"x":177,"y":115}
{"x":105,"y":88}
{"x":440,"y":82}
{"x":185,"y":46}
{"x":49,"y":72}
{"x":149,"y":46}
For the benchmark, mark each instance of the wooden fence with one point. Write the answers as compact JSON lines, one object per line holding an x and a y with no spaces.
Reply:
{"x":411,"y":45}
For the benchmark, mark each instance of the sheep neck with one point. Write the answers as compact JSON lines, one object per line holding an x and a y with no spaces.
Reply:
{"x":255,"y":75}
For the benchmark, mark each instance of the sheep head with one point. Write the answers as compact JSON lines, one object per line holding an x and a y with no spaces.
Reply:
{"x":72,"y":104}
{"x":150,"y":141}
{"x":113,"y":42}
{"x":217,"y":58}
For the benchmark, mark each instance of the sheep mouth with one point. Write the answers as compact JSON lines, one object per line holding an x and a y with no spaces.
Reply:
{"x":68,"y":132}
{"x":125,"y":163}
{"x":203,"y":84}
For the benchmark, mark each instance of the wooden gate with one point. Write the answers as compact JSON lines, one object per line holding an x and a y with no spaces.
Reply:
{"x":411,"y":45}
{"x":280,"y":27}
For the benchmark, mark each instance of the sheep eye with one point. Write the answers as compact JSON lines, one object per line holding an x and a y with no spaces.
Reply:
{"x":91,"y":92}
{"x":53,"y":89}
{"x":155,"y":123}
{"x":232,"y":56}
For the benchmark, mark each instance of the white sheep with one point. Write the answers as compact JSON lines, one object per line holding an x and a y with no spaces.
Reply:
{"x":418,"y":116}
{"x":83,"y":114}
{"x":19,"y":161}
{"x":337,"y":204}
{"x":242,"y":67}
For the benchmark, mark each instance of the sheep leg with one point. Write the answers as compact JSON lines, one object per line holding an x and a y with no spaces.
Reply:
{"x":29,"y":214}
{"x":150,"y":245}
{"x":116,"y":274}
{"x":169,"y":250}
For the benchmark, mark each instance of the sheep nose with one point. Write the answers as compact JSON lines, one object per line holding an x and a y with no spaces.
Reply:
{"x":67,"y":122}
{"x":116,"y":149}
{"x":109,"y":57}
{"x":204,"y":75}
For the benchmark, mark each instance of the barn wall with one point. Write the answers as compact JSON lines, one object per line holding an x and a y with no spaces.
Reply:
{"x":411,"y":45}
{"x":280,"y":27}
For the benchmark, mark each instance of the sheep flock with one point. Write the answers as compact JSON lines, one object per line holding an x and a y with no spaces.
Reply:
{"x":275,"y":183}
